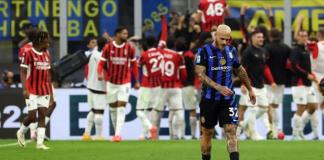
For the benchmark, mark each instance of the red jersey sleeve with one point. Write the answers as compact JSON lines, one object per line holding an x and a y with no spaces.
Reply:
{"x":103,"y":59}
{"x":25,"y":60}
{"x":133,"y":63}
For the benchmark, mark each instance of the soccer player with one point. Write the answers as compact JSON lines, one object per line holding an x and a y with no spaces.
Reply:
{"x":120,"y":59}
{"x":277,"y":56}
{"x":215,"y":63}
{"x":37,"y":87}
{"x":254,"y":61}
{"x":188,"y":91}
{"x":96,"y":91}
{"x":150,"y":91}
{"x":212,"y":13}
{"x":302,"y":78}
{"x":172,"y":76}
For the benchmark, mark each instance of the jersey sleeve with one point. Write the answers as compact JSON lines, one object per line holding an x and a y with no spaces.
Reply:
{"x":236,"y":62}
{"x":25,"y":60}
{"x":132,"y":54}
{"x":201,"y":57}
{"x":104,"y":54}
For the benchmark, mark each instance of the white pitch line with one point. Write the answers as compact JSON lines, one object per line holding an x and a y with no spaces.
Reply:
{"x":12,"y":144}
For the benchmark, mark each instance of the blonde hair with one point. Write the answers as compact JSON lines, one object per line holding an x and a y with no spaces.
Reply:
{"x":223,"y":28}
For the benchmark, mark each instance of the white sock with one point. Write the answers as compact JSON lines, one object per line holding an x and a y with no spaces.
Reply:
{"x":23,"y":129}
{"x":144,"y":120}
{"x":33,"y":129}
{"x":40,"y":135}
{"x":251,"y":122}
{"x":179,"y":123}
{"x":98,"y":123}
{"x":113,"y":116}
{"x":120,"y":120}
{"x":314,"y":124}
{"x":47,"y":119}
{"x":193,"y":125}
{"x":275,"y":122}
{"x":296,"y":124}
{"x":305,"y":119}
{"x":90,"y":120}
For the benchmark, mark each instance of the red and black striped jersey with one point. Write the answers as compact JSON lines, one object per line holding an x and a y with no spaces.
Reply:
{"x":38,"y":66}
{"x":173,"y":70}
{"x":151,"y":61}
{"x":120,"y":60}
{"x":23,"y":49}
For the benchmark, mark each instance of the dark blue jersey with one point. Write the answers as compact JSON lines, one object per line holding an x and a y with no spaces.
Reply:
{"x":219,"y":67}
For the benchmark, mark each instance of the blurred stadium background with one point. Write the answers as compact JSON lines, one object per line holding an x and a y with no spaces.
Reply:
{"x":71,"y":22}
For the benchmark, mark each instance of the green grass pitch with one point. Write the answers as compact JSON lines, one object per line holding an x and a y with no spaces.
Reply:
{"x":162,"y":150}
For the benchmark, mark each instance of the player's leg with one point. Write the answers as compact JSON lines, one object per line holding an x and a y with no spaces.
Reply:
{"x":112,"y":101}
{"x":158,"y":108}
{"x":208,"y":121}
{"x":90,"y":118}
{"x":99,"y":106}
{"x":33,"y":125}
{"x":232,"y":142}
{"x":300,"y":98}
{"x":43,"y":102}
{"x":190,"y":104}
{"x":277,"y":99}
{"x":176,"y":109}
{"x":243,"y":122}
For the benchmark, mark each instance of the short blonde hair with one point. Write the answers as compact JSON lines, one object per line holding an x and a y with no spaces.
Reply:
{"x":223,"y":28}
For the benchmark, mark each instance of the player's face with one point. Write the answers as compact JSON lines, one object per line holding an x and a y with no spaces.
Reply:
{"x":123,"y":35}
{"x":92,"y":44}
{"x":222,"y":39}
{"x":303,"y":37}
{"x":258,"y":39}
{"x":45,"y":44}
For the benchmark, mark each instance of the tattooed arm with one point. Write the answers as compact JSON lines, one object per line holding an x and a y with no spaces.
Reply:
{"x":240,"y":71}
{"x":201,"y":72}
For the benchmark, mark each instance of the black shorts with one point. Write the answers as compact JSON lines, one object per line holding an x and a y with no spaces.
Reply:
{"x":212,"y":112}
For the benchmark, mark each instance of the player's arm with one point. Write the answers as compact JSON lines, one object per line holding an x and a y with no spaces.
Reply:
{"x":242,"y":74}
{"x":102,"y":63}
{"x":134,"y":68}
{"x":242,"y":22}
{"x":299,"y":21}
{"x":294,"y":59}
{"x":23,"y":74}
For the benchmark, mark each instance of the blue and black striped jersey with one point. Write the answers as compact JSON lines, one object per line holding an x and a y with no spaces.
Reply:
{"x":219,"y":67}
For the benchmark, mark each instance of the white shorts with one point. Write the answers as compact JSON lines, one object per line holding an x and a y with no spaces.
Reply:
{"x":189,"y":96}
{"x":116,"y":92}
{"x":171,"y":97}
{"x":318,"y":94}
{"x":97,"y":101}
{"x":148,"y":98}
{"x":275,"y":96}
{"x":303,"y":95}
{"x":36,"y":101}
{"x":261,"y":98}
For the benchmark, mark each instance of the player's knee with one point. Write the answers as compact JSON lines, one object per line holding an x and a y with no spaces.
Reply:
{"x":230,"y":130}
{"x":208,"y":132}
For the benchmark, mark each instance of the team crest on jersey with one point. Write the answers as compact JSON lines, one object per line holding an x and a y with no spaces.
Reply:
{"x":222,"y":61}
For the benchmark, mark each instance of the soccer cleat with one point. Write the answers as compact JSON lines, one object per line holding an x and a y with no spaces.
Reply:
{"x":194,"y":138}
{"x":116,"y":139}
{"x":269,"y":135}
{"x":46,"y":138}
{"x":42,"y":146}
{"x":86,"y":137}
{"x":99,"y":138}
{"x":153,"y":132}
{"x":21,"y":139}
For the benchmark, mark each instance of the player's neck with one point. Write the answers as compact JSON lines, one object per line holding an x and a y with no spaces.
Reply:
{"x":215,"y":44}
{"x":37,"y":48}
{"x":118,"y":42}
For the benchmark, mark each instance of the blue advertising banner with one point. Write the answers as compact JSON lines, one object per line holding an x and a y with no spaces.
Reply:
{"x":152,"y":10}
{"x":85,"y":17}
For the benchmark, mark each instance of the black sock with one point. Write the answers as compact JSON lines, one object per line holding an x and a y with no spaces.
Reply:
{"x":205,"y":156}
{"x":234,"y":156}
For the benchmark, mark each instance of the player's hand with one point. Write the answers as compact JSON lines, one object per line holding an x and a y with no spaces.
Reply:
{"x":100,"y":78}
{"x":243,"y":89}
{"x":224,"y":91}
{"x":252,"y":97}
{"x":26,"y":93}
{"x":137,"y":85}
{"x":244,"y":8}
{"x":312,"y":77}
{"x":273,"y":86}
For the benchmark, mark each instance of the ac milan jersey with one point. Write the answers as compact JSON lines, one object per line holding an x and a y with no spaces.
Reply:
{"x":172,"y":64}
{"x":317,"y":60}
{"x":151,"y":61}
{"x":212,"y":13}
{"x":38,"y":76}
{"x":23,"y":49}
{"x":118,"y":59}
